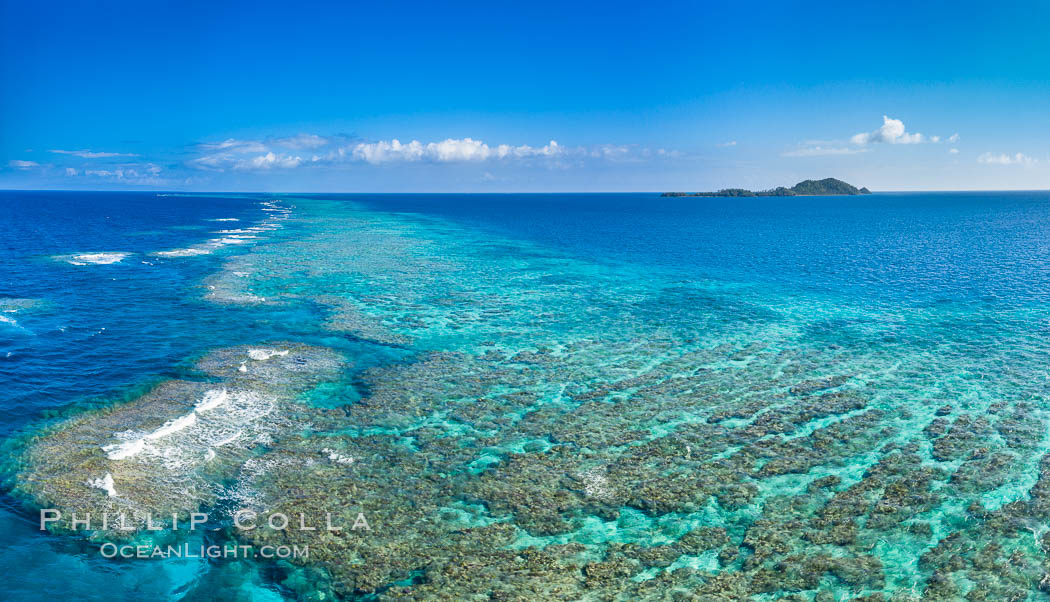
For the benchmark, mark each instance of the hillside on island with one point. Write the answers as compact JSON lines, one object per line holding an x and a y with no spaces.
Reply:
{"x":827,"y":186}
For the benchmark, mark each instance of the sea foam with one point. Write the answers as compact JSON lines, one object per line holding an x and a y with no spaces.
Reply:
{"x":173,"y":426}
{"x":127,"y":449}
{"x":93,"y":258}
{"x":262,"y":355}
{"x":188,"y":252}
{"x":337,"y":457}
{"x":105,"y":484}
{"x":211,"y":400}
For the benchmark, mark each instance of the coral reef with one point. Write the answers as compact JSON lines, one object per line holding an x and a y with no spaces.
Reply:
{"x":556,"y":429}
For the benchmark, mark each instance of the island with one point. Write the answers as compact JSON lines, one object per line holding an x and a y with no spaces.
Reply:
{"x":827,"y":186}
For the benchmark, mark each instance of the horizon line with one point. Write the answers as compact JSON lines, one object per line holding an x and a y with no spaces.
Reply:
{"x":206,"y":192}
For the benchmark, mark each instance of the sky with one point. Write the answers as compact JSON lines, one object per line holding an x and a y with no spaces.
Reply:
{"x":522,"y":96}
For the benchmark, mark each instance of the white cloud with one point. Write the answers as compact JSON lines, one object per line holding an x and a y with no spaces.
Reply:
{"x":550,"y":149}
{"x":817,"y":151}
{"x":268,"y":161}
{"x":20,"y":164}
{"x":280,"y":153}
{"x":892,"y":132}
{"x":89,"y":154}
{"x":953,"y":151}
{"x":465,"y":149}
{"x":611,"y":151}
{"x":953,"y":138}
{"x":451,"y":150}
{"x":139,"y":174}
{"x":382,"y":152}
{"x":229,"y":153}
{"x":1004,"y":159}
{"x":730,"y":143}
{"x":71,"y":171}
{"x":232,"y":144}
{"x":301,"y":141}
{"x":212,"y":162}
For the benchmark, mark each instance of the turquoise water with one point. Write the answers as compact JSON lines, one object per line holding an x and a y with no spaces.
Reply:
{"x":542,"y":396}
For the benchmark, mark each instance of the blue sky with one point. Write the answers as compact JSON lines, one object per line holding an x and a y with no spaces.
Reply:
{"x":515,"y":96}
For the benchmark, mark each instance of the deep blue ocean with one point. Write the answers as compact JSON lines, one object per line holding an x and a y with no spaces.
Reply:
{"x":912,"y":247}
{"x":923,"y":300}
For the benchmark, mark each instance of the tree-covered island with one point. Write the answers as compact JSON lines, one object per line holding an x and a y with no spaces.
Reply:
{"x":827,"y":186}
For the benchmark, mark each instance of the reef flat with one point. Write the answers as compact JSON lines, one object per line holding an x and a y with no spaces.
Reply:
{"x":173,"y":449}
{"x":558,"y":428}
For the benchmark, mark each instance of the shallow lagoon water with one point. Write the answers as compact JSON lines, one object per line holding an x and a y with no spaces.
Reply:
{"x":574,"y":396}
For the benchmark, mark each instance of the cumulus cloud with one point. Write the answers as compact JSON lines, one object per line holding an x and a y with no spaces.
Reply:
{"x":891,"y":132}
{"x":246,"y":162}
{"x":953,"y":138}
{"x":257,"y":154}
{"x":465,"y":149}
{"x":953,"y":151}
{"x":817,"y":151}
{"x":70,"y":171}
{"x":1004,"y":159}
{"x":286,"y":153}
{"x":20,"y":164}
{"x":551,"y":149}
{"x":383,"y":152}
{"x":450,"y":150}
{"x":89,"y":154}
{"x":268,"y":161}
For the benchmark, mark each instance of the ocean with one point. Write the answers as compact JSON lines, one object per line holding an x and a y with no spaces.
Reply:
{"x":544,"y":396}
